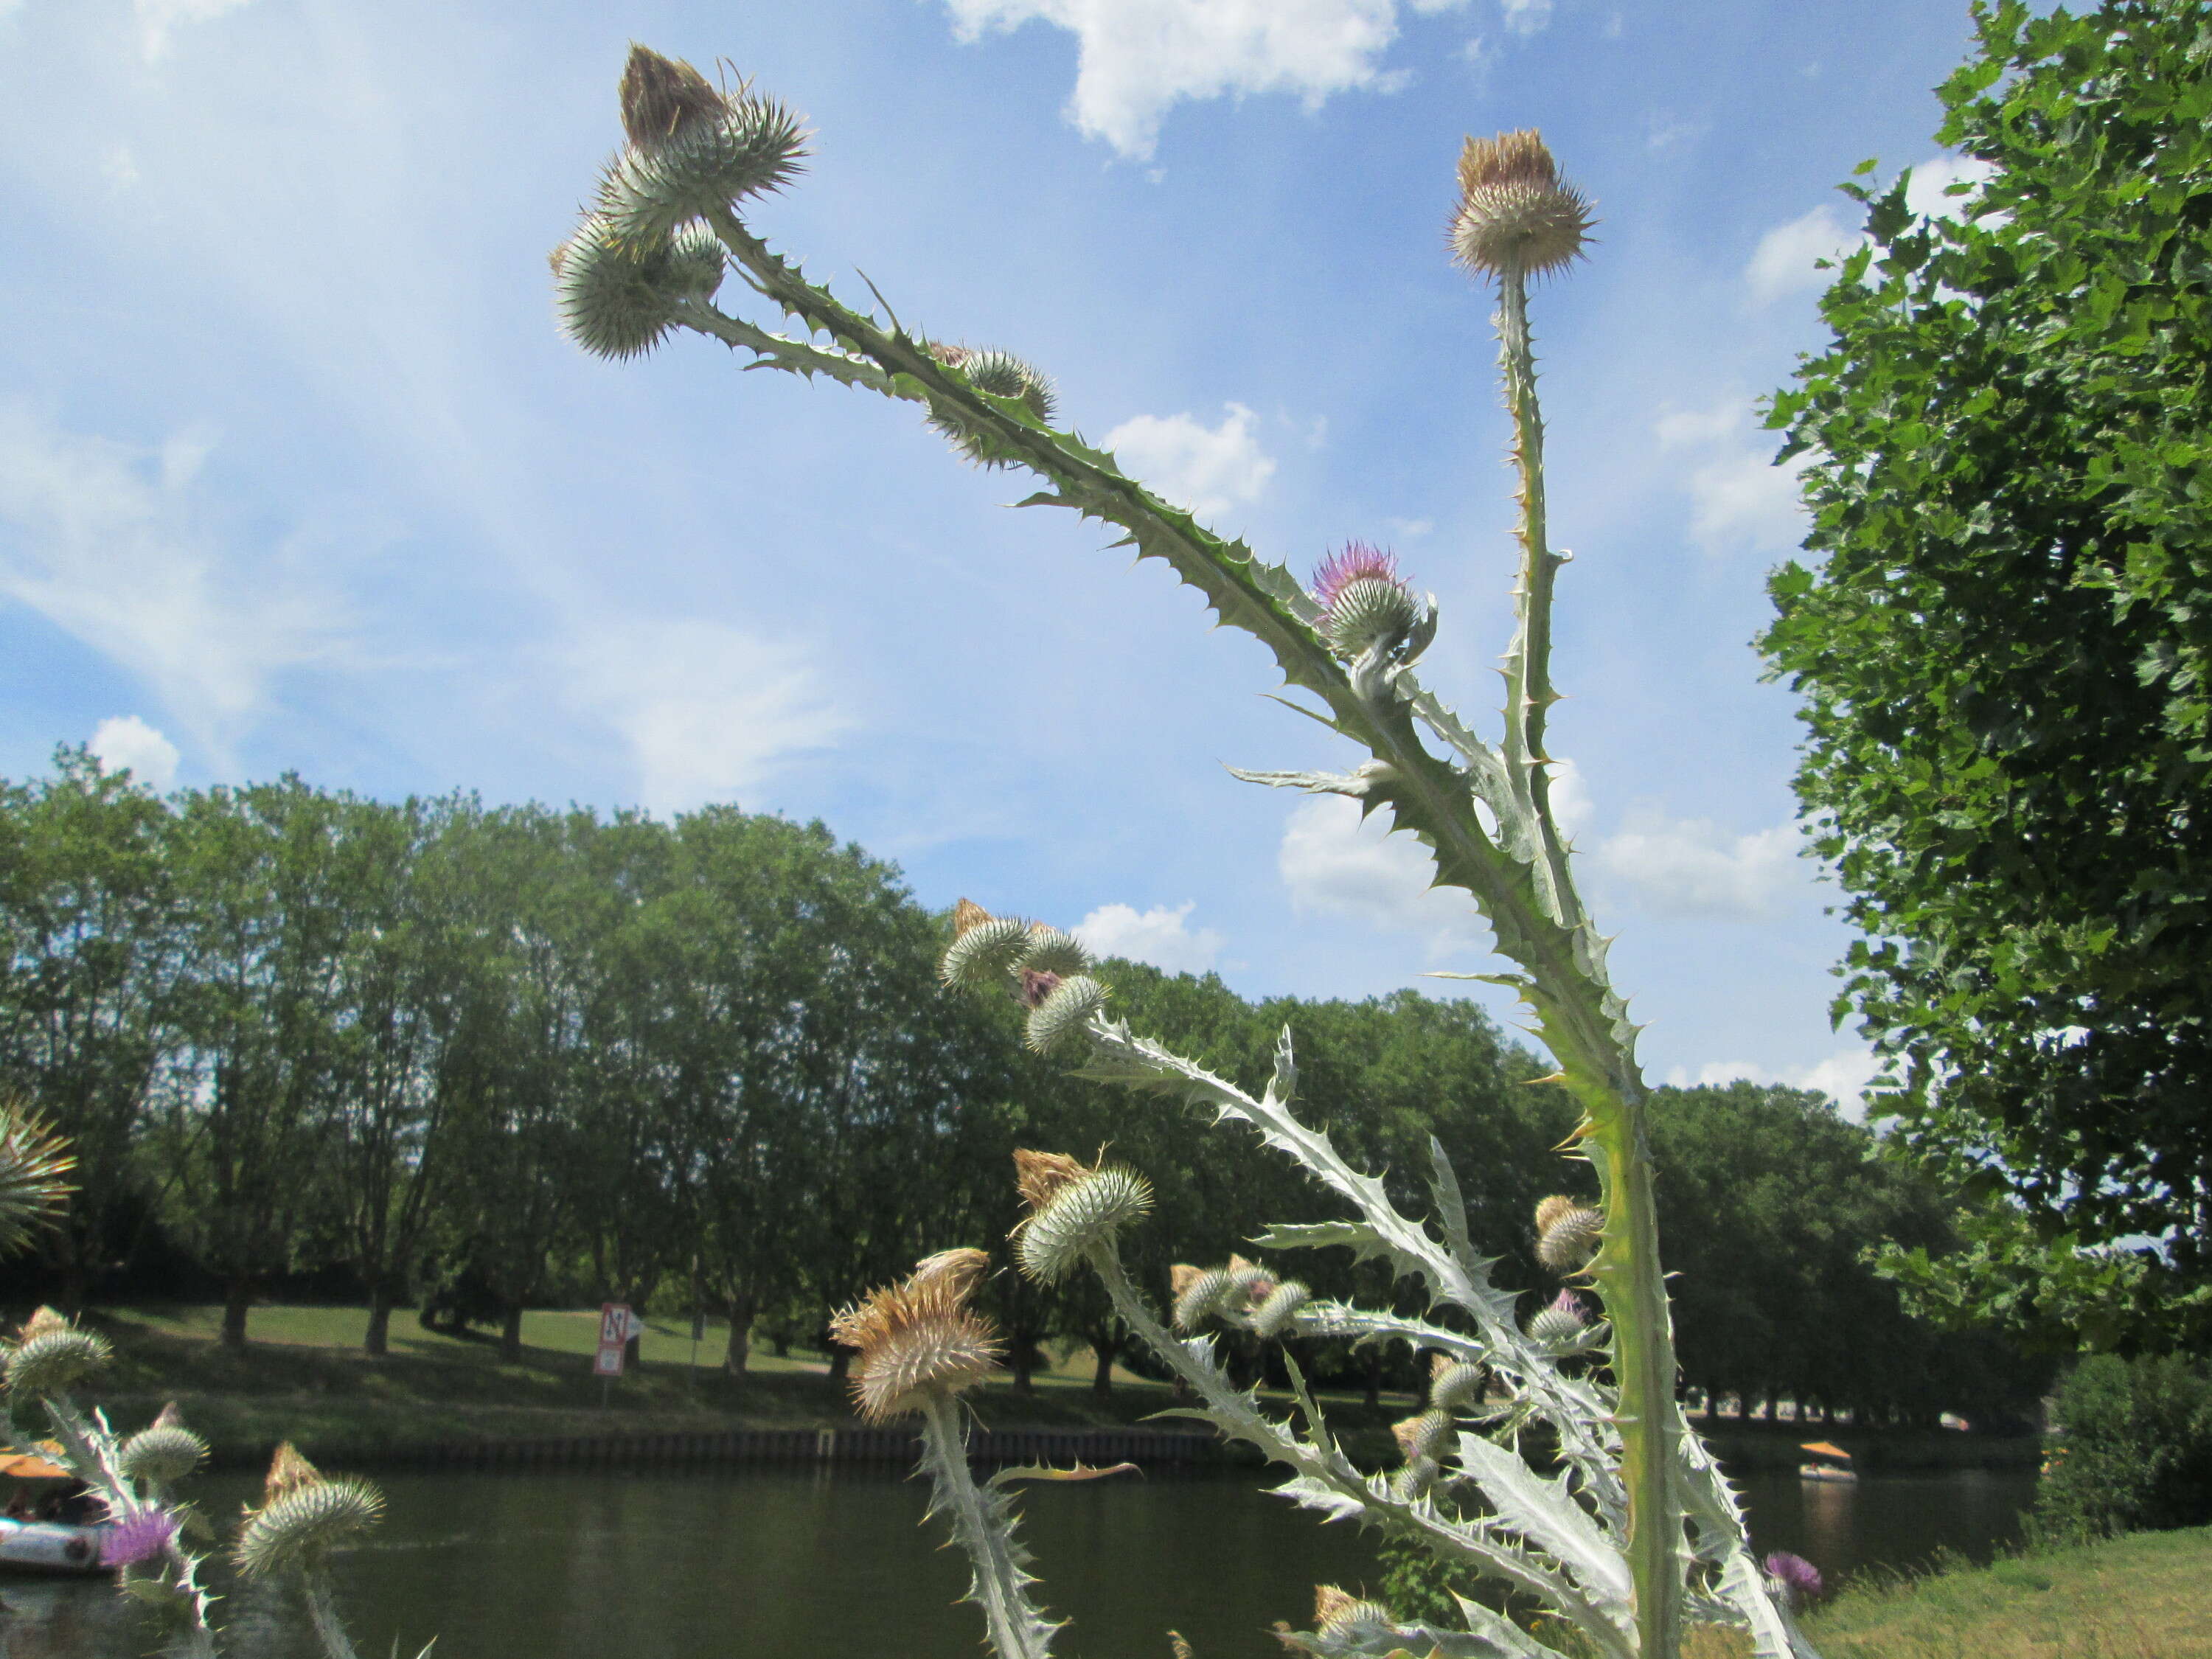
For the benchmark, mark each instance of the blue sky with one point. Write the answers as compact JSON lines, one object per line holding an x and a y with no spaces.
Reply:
{"x":295,"y":472}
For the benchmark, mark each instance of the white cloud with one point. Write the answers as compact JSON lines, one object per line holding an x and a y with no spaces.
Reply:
{"x":103,"y":539}
{"x":1160,"y":936}
{"x":1208,"y":470}
{"x":1526,"y":17}
{"x":1138,"y":59}
{"x":1739,"y":500}
{"x":158,"y":20}
{"x":1782,"y":263}
{"x":1335,"y":864}
{"x":1572,"y":807}
{"x":708,"y":711}
{"x":126,"y":741}
{"x":1693,"y":867}
{"x":1842,"y":1077}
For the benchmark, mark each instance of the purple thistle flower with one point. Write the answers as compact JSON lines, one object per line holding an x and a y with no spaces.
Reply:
{"x":1354,"y":562}
{"x":1037,"y":984}
{"x":1799,"y":1578}
{"x":139,"y":1537}
{"x":1570,"y":1305}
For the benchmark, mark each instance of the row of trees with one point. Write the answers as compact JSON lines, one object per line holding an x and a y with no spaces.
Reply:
{"x":516,"y":1056}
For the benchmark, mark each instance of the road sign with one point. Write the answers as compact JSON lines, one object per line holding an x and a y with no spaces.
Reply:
{"x":617,"y":1324}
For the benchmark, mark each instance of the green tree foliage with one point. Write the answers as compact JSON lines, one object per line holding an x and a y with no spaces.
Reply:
{"x":2133,"y":1449}
{"x":2006,"y":648}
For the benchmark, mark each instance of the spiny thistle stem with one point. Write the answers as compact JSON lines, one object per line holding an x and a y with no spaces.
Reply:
{"x":89,"y":1452}
{"x":1626,"y":1268}
{"x":322,"y":1613}
{"x":984,"y":1534}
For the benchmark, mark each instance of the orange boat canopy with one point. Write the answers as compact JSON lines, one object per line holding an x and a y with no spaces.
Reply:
{"x":26,"y":1466}
{"x":1825,"y":1449}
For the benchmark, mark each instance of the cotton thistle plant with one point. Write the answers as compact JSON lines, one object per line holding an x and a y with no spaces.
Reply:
{"x":1637,"y":1532}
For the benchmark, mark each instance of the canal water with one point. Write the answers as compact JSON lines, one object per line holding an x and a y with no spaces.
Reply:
{"x":777,"y":1561}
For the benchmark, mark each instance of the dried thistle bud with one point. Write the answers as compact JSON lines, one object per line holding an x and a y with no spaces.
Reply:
{"x":1570,"y":1238}
{"x":1038,"y":1176}
{"x":55,"y":1359}
{"x":1337,"y":1610}
{"x":44,"y":1319}
{"x":1423,"y":1435}
{"x":918,"y":1339}
{"x":983,"y":952}
{"x":1079,"y":1215}
{"x":1065,"y":1010}
{"x":1199,"y":1296}
{"x":304,"y":1523}
{"x":289,"y":1472}
{"x":968,"y":914}
{"x":1280,"y":1308}
{"x":1515,"y":217}
{"x":661,"y":96}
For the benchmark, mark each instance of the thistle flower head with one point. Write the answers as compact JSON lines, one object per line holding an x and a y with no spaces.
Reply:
{"x":918,"y":1339}
{"x":1074,"y":1210}
{"x":1421,"y":1436}
{"x":164,"y":1451}
{"x":1515,"y":216}
{"x":615,"y":295}
{"x":1336,"y":1610}
{"x":53,"y":1357}
{"x":1567,"y":1233}
{"x":1354,"y":562}
{"x":1560,"y":1324}
{"x":1454,"y":1385}
{"x":1279,"y":1307}
{"x":139,"y":1537}
{"x":1035,"y":987}
{"x":1002,"y":375}
{"x":1050,"y":949}
{"x":1063,"y":1013}
{"x":33,"y":1160}
{"x":1799,"y":1578}
{"x":305,"y":1523}
{"x":1198,"y":1294}
{"x":985,"y":948}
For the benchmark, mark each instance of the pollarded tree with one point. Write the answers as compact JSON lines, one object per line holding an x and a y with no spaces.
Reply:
{"x":2006,"y":647}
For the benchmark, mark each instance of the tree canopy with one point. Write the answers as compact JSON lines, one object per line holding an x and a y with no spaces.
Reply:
{"x":2005,"y":648}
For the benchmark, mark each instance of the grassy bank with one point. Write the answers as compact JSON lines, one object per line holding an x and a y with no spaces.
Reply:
{"x":2145,"y":1596}
{"x":302,"y":1378}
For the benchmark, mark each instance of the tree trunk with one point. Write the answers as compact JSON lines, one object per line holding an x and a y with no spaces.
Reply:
{"x":1101,"y":1379}
{"x":741,"y":1336}
{"x":238,"y":1297}
{"x":841,"y":1362}
{"x":1019,"y":1352}
{"x":510,"y":1335}
{"x":377,"y":1340}
{"x":1374,"y":1380}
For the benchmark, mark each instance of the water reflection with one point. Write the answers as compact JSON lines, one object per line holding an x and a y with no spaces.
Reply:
{"x":763,"y":1561}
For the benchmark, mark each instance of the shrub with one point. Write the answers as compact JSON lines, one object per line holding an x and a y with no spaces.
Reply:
{"x":2133,"y":1450}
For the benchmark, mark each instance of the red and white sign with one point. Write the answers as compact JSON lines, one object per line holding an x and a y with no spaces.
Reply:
{"x":617,"y":1324}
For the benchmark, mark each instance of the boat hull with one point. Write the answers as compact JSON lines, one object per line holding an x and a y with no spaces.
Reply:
{"x":49,"y":1547}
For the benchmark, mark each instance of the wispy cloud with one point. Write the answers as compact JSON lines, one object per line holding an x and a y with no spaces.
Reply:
{"x":1740,"y":500}
{"x":707,"y":711}
{"x":158,"y":20}
{"x":1138,"y":58}
{"x":105,"y":540}
{"x":1337,"y":864}
{"x":1693,"y":867}
{"x":1161,"y":936}
{"x":1208,"y":470}
{"x":1526,"y":17}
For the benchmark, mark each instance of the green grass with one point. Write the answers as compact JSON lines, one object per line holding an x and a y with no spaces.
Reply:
{"x":2145,"y":1596}
{"x":303,"y":1377}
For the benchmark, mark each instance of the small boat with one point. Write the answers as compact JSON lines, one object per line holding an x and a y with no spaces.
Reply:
{"x":1840,"y":1470}
{"x":47,"y":1526}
